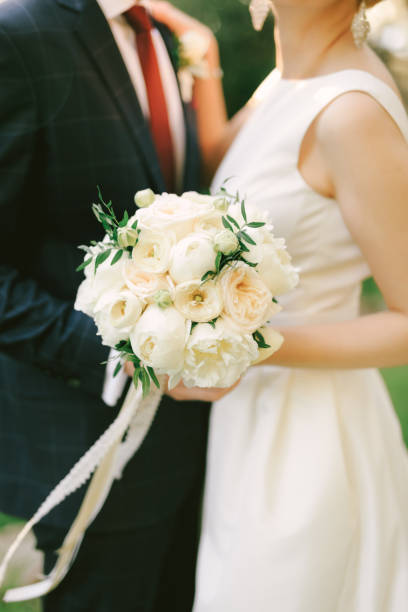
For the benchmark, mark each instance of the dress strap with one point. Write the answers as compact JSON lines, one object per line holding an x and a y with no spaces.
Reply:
{"x":327,"y":88}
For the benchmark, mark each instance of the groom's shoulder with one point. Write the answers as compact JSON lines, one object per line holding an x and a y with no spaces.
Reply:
{"x":20,"y":18}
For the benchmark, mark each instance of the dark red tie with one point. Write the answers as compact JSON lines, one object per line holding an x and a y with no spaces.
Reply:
{"x":140,"y":21}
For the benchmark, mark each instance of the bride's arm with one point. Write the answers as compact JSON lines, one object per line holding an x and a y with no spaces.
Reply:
{"x":216,"y":133}
{"x":366,"y":158}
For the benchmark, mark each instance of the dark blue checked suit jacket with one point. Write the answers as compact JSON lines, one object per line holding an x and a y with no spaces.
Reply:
{"x":69,"y":121}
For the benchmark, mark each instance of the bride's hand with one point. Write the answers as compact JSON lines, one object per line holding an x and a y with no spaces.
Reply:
{"x":182,"y":393}
{"x":178,"y":21}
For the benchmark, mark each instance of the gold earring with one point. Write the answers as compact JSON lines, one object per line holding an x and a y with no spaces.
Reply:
{"x":360,"y":26}
{"x":259,"y":10}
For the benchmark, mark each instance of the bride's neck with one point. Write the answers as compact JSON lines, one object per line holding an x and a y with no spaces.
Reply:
{"x":309,"y":40}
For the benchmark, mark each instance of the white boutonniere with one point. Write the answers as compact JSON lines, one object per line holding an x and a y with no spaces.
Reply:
{"x":192,"y":62}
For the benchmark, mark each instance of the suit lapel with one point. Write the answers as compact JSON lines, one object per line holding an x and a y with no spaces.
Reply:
{"x":96,"y":36}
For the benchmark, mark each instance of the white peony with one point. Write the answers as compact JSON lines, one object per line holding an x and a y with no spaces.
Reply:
{"x":276,"y":269}
{"x":143,"y":284}
{"x":217,"y":356}
{"x":116,"y":314}
{"x":192,"y":257}
{"x":152,"y":252}
{"x":210,"y":224}
{"x":159,"y":339}
{"x":170,"y":212}
{"x":107,"y":278}
{"x":198,"y":301}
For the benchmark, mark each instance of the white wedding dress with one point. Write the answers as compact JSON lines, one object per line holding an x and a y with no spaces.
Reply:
{"x":306,"y":502}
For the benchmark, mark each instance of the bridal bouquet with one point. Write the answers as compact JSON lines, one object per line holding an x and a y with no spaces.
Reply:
{"x":185,"y":286}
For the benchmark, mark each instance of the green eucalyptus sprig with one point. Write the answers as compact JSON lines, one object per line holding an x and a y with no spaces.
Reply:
{"x":142,"y":374}
{"x":243,"y":240}
{"x":105,"y":214}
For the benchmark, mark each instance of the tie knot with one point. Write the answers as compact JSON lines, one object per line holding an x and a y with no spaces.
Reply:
{"x":139,"y":19}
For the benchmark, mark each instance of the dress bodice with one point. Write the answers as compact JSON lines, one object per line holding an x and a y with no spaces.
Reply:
{"x":263,"y":164}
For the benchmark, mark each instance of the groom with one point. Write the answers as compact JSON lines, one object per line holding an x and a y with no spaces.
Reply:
{"x":88,"y":96}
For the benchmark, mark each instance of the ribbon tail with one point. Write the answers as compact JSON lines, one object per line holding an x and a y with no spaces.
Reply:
{"x":101,"y":454}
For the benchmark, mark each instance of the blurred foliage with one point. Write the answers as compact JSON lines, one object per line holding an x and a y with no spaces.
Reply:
{"x":246,"y":56}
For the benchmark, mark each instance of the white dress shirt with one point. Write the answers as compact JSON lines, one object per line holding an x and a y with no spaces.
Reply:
{"x":125,"y":38}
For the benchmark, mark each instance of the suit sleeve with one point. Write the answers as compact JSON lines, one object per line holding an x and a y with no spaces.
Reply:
{"x":35,"y":326}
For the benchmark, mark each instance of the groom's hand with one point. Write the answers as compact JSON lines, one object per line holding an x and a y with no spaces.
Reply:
{"x":183,"y":394}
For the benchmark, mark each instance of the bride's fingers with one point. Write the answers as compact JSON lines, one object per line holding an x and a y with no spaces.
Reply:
{"x":182,"y":393}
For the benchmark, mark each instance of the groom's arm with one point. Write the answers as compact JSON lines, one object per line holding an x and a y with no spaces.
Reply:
{"x":35,"y":326}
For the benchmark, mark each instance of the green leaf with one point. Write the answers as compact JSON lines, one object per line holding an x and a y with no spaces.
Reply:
{"x":249,"y":263}
{"x":101,"y":258}
{"x":117,"y":369}
{"x":218,"y":261}
{"x":227,"y":224}
{"x":234,"y":221}
{"x":260,"y":340}
{"x":243,"y":247}
{"x":84,"y":264}
{"x":124,"y":220}
{"x":117,"y":256}
{"x":153,"y":377}
{"x":256,"y":224}
{"x":136,"y":374}
{"x":134,"y":225}
{"x":247,"y":238}
{"x":213,"y":322}
{"x":145,"y":380}
{"x":243,"y":211}
{"x":207,"y":275}
{"x":275,"y":300}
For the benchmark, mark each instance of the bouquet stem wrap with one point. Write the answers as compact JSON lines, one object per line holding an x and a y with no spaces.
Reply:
{"x":106,"y":459}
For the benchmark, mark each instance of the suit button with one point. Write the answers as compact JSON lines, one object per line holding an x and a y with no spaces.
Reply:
{"x":74,"y":383}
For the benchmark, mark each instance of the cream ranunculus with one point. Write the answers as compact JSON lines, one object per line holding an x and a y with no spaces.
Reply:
{"x":116,"y":314}
{"x":217,"y":356}
{"x":247,"y":301}
{"x":159,"y":339}
{"x":276,"y":269}
{"x":107,"y":278}
{"x":152,"y":252}
{"x":143,"y":284}
{"x":171,"y":212}
{"x":200,"y":302}
{"x":192,"y":257}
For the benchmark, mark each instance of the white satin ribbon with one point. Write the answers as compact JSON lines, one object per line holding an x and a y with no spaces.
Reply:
{"x":107,"y":458}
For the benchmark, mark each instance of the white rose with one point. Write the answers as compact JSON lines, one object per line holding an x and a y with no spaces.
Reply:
{"x":217,"y":356}
{"x":226,"y":242}
{"x":192,"y":257}
{"x":200,"y":198}
{"x":247,"y":301}
{"x":194,"y":47}
{"x":276,"y":269}
{"x":159,"y":339}
{"x":144,"y":198}
{"x":107,"y":278}
{"x":152,"y":252}
{"x":198,"y":301}
{"x":143,"y":284}
{"x":170,"y":212}
{"x":116,"y":314}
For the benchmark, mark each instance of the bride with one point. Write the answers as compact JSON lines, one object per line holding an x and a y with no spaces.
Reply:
{"x":306,"y":502}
